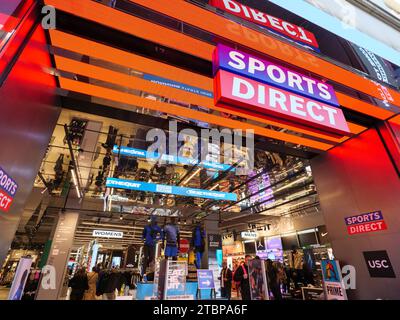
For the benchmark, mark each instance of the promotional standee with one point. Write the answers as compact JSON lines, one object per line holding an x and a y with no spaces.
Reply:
{"x":172,"y":281}
{"x":20,"y":278}
{"x":333,"y":283}
{"x":205,"y":281}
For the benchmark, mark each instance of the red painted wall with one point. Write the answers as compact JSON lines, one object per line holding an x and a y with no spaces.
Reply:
{"x":355,"y":178}
{"x":28,"y":114}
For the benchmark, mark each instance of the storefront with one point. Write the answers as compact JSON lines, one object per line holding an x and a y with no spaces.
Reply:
{"x":242,"y":125}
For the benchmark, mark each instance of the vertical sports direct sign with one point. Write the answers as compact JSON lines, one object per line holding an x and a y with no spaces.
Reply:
{"x":333,"y":283}
{"x":8,"y":189}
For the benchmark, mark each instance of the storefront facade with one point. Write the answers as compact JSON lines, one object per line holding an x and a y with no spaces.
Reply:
{"x":325,"y":107}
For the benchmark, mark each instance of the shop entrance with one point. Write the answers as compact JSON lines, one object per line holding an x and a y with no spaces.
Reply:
{"x":276,"y":210}
{"x":98,"y":189}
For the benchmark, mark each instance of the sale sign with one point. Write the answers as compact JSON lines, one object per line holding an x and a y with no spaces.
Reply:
{"x":282,"y":27}
{"x":260,"y":69}
{"x":259,"y":97}
{"x":364,"y":223}
{"x":8,"y":189}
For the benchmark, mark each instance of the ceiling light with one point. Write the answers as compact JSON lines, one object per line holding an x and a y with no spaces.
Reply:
{"x":213,"y":188}
{"x":191,"y":177}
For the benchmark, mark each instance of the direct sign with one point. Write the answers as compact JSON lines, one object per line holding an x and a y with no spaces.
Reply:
{"x":378,"y":264}
{"x":205,"y":279}
{"x":108,"y":234}
{"x":258,"y":68}
{"x":364,"y":223}
{"x":255,"y":96}
{"x":288,"y":30}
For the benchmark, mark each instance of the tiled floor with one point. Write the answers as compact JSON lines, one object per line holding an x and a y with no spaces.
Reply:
{"x":4,"y":293}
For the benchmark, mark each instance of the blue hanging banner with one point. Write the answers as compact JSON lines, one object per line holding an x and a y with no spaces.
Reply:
{"x":166,"y":189}
{"x":139,"y":153}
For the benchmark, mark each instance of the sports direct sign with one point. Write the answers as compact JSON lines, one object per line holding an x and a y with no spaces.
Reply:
{"x":8,"y":189}
{"x":364,"y":223}
{"x":284,"y":28}
{"x":251,"y":82}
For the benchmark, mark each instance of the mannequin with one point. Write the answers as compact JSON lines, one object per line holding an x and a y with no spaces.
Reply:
{"x":198,"y":243}
{"x":172,"y":238}
{"x":151,"y":233}
{"x":296,"y":261}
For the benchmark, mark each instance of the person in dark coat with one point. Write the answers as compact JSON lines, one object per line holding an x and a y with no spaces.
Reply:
{"x":242,"y":276}
{"x":226,"y":281}
{"x":109,"y":280}
{"x":79,"y":284}
{"x":273,"y":282}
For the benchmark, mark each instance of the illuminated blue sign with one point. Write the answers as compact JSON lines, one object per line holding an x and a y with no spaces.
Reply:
{"x":166,"y":189}
{"x":133,"y":152}
{"x":177,"y":85}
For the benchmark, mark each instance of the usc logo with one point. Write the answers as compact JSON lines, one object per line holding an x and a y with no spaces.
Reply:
{"x":378,"y":264}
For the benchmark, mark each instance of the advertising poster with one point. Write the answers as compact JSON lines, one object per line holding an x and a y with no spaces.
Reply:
{"x":175,"y":278}
{"x":205,"y":279}
{"x":20,"y":278}
{"x":258,"y":280}
{"x":333,"y":282}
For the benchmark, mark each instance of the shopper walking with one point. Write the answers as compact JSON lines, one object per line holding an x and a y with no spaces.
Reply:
{"x":273,"y":281}
{"x":242,"y":275}
{"x":226,"y":281}
{"x":93,"y":277}
{"x":78,"y":284}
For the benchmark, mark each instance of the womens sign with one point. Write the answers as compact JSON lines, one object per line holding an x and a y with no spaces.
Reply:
{"x":247,"y":81}
{"x":284,"y":28}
